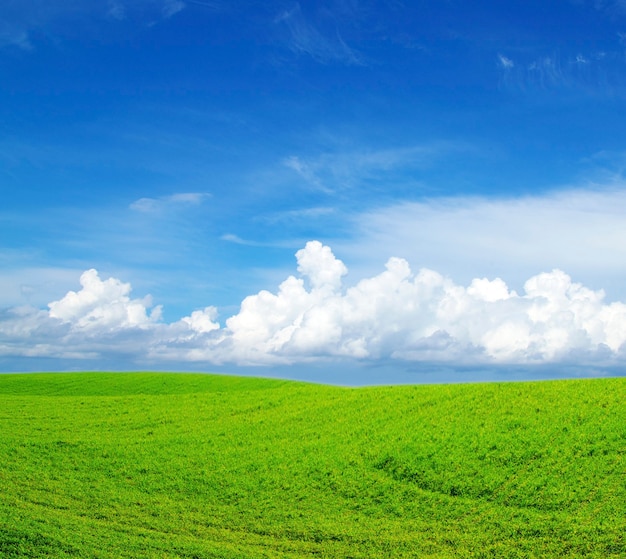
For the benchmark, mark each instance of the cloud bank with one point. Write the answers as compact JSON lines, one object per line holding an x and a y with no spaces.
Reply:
{"x":312,"y":317}
{"x":580,"y":231}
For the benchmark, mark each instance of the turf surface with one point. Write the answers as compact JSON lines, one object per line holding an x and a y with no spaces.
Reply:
{"x":203,"y":466}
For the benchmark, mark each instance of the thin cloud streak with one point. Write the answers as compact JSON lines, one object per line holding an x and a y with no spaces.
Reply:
{"x":303,"y":214}
{"x":340,"y":171}
{"x":235,"y":239}
{"x":305,"y":38}
{"x":19,"y":21}
{"x":505,"y":62}
{"x":593,"y":72}
{"x":163,"y":203}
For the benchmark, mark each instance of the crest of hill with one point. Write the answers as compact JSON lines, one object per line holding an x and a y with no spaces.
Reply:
{"x":126,"y":384}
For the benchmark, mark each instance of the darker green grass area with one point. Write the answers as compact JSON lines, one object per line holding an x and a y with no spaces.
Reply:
{"x":204,"y":466}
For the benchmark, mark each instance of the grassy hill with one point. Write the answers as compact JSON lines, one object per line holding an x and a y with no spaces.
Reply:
{"x":201,"y":466}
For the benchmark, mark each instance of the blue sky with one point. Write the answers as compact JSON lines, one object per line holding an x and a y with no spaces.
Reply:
{"x":187,"y":150}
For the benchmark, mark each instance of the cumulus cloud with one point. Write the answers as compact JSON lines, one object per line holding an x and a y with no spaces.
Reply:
{"x":424,"y":316}
{"x":202,"y":321}
{"x":99,"y":319}
{"x":397,"y":314}
{"x":103,"y":305}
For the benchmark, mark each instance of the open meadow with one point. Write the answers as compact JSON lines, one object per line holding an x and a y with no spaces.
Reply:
{"x":115,"y":465}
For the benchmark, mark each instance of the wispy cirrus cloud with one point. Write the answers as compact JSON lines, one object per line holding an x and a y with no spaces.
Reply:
{"x":150,"y":10}
{"x":304,"y":37}
{"x":172,"y":7}
{"x":307,"y":171}
{"x":21,"y":21}
{"x":157,"y":9}
{"x":592,"y":71}
{"x":611,"y":7}
{"x":548,"y":71}
{"x":339,"y":171}
{"x":544,"y":72}
{"x":171,"y":202}
{"x":117,"y":10}
{"x":505,"y":62}
{"x":237,"y":240}
{"x":316,"y":212}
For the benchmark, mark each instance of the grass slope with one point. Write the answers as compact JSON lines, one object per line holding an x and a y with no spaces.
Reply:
{"x":200,"y":466}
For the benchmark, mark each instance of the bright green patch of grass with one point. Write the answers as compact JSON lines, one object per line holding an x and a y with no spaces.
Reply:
{"x":201,"y":466}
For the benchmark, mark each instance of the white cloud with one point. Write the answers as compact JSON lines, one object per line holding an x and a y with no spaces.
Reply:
{"x":103,"y":305}
{"x":580,"y":59}
{"x":597,"y":72}
{"x":580,"y":231}
{"x":300,"y":214}
{"x":116,"y":10}
{"x":172,"y":7}
{"x":505,"y":62}
{"x":318,"y":263}
{"x":237,"y":240}
{"x":396,"y":314}
{"x":187,"y":197}
{"x":306,"y":38}
{"x":333,"y":172}
{"x":612,"y":7}
{"x":422,"y":316}
{"x":202,"y":321}
{"x":213,"y":4}
{"x":163,"y":203}
{"x":21,"y":20}
{"x":232,"y":238}
{"x":306,"y":171}
{"x":145,"y":205}
{"x":548,"y":72}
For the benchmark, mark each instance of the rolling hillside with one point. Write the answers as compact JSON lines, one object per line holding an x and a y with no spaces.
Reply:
{"x":203,"y":466}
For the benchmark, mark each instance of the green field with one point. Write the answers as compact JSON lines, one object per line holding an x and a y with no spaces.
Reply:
{"x":202,"y":466}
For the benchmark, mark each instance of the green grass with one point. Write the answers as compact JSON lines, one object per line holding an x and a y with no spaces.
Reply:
{"x":201,"y":466}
